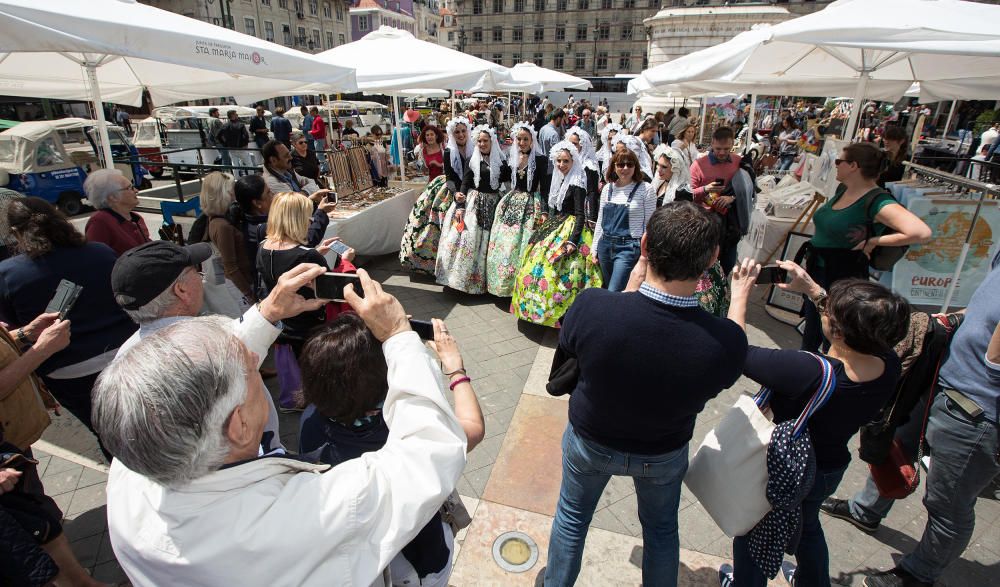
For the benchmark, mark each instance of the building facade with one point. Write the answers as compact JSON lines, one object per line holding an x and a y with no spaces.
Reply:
{"x":307,"y":25}
{"x":448,"y":28}
{"x":369,"y":15}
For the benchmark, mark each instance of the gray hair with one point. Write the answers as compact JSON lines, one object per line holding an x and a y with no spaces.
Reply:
{"x":296,"y":135}
{"x":161,"y":407}
{"x":101,"y":185}
{"x":157,"y":308}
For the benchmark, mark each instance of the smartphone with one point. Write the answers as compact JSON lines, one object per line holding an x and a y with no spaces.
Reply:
{"x":339,"y":247}
{"x":719,"y":181}
{"x":772,"y":274}
{"x":66,"y":295}
{"x":330,"y":286}
{"x":423,"y":328}
{"x":332,"y":197}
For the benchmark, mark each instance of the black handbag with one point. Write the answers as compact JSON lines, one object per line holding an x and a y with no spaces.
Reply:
{"x":881,"y":258}
{"x":564,"y":374}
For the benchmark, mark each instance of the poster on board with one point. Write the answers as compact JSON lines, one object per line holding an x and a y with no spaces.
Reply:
{"x":925,"y":273}
{"x":779,"y":298}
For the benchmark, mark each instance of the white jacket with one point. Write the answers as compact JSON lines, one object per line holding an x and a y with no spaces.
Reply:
{"x":277,"y":521}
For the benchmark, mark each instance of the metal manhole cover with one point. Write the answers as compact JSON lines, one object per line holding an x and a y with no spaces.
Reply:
{"x":515,"y":552}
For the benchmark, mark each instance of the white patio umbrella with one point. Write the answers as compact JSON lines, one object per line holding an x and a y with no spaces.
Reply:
{"x":548,"y":79}
{"x":951,"y":47}
{"x":59,"y":48}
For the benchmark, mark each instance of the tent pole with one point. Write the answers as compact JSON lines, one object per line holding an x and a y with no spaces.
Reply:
{"x":947,"y":124}
{"x":102,"y":123}
{"x":704,"y":115}
{"x":751,"y":120}
{"x":399,"y":135}
{"x":859,"y":98}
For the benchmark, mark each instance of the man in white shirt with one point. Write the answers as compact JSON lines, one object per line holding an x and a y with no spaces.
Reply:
{"x":990,"y":135}
{"x":191,"y":503}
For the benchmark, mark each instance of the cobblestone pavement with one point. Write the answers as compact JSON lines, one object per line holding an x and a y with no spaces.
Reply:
{"x":511,"y":480}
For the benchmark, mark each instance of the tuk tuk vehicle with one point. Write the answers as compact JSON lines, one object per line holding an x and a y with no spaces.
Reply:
{"x":364,"y":115}
{"x":186,"y":128}
{"x":148,"y":140}
{"x":50,"y":159}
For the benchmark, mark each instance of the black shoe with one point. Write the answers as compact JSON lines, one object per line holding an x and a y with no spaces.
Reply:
{"x":894,"y":578}
{"x":839,"y":508}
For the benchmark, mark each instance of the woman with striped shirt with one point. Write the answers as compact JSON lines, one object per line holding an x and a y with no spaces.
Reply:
{"x":627,"y":202}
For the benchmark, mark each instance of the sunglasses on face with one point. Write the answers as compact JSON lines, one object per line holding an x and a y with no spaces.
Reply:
{"x":625,"y":165}
{"x":839,"y":161}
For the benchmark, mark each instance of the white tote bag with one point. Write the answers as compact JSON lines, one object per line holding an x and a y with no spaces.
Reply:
{"x":728,"y":473}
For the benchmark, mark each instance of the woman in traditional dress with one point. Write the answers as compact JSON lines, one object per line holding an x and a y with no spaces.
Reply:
{"x":419,"y":246}
{"x":518,"y":213}
{"x":635,"y":145}
{"x":465,"y":233}
{"x":604,"y":154}
{"x":558,"y":265}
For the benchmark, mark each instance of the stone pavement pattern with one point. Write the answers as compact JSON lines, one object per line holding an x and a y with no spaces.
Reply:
{"x":511,"y":480}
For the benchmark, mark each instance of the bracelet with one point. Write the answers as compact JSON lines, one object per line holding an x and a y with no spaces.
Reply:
{"x":459,"y":381}
{"x":459,"y":370}
{"x":22,"y":337}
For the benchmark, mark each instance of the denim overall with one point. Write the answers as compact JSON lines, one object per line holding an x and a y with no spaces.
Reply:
{"x":618,"y":250}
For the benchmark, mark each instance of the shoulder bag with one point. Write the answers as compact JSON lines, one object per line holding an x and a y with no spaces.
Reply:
{"x":728,"y":473}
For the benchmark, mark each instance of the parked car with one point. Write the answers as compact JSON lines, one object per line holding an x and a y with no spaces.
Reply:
{"x":50,"y":159}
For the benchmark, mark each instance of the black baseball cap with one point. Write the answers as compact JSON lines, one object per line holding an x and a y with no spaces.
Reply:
{"x":146,"y":271}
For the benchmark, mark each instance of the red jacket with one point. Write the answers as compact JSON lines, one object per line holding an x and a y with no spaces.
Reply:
{"x":318,"y":130}
{"x":108,"y":227}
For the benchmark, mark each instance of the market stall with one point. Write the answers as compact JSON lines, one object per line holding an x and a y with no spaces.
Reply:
{"x":372,"y":222}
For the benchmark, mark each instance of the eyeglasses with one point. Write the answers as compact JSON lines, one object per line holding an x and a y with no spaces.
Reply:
{"x":300,"y":142}
{"x":625,"y":165}
{"x":839,"y":161}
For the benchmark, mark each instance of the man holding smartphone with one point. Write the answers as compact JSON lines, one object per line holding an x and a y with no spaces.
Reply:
{"x":280,"y":176}
{"x":710,"y":176}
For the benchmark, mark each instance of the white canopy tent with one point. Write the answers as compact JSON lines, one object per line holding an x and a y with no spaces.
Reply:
{"x":70,"y":49}
{"x":545,"y":80}
{"x":862,"y":49}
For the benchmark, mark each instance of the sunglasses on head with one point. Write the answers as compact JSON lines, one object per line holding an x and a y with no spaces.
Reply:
{"x":624,"y":165}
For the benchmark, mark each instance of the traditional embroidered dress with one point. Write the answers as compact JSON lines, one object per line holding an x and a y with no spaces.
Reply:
{"x":461,"y":259}
{"x":604,"y":154}
{"x":548,"y":281}
{"x":518,"y":214}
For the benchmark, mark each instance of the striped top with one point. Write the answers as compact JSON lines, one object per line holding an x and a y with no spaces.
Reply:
{"x":639,"y":211}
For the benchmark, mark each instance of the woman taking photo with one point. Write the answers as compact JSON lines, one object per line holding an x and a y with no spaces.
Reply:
{"x":840,"y":247}
{"x":685,"y":147}
{"x":626,"y":205}
{"x":465,"y":236}
{"x":897,"y":151}
{"x":518,"y":213}
{"x":558,"y":265}
{"x":863,"y":321}
{"x":431,"y":149}
{"x":285,"y":248}
{"x":788,"y":143}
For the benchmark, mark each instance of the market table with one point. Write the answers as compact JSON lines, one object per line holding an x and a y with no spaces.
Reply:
{"x":377,"y":229}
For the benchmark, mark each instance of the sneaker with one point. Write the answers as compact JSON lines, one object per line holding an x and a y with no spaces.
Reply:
{"x":291,"y":409}
{"x":788,"y":572}
{"x":839,"y":508}
{"x":726,"y":576}
{"x":895,"y":578}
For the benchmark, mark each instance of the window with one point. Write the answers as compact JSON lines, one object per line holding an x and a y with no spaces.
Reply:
{"x":477,"y":6}
{"x":518,"y":6}
{"x":300,"y":37}
{"x":626,"y":32}
{"x":329,"y":40}
{"x":497,"y":34}
{"x":561,"y":5}
{"x":560,"y":32}
{"x":628,"y":3}
{"x":602,"y":60}
{"x":282,"y":3}
{"x":539,"y":5}
{"x":477,"y":35}
{"x":298,"y":6}
{"x":269,"y":30}
{"x":518,"y":34}
{"x":313,"y":7}
{"x":363,"y":23}
{"x":539,"y":60}
{"x":557,"y":61}
{"x":451,"y":35}
{"x":581,"y":32}
{"x":250,"y":26}
{"x":497,"y":6}
{"x":603,"y":31}
{"x":327,"y":11}
{"x":580,"y":61}
{"x":539,"y":34}
{"x":515,"y":59}
{"x":286,"y":33}
{"x":341,"y":39}
{"x":654,"y":3}
{"x":340,"y":13}
{"x":316,"y":42}
{"x":625,"y":60}
{"x":498,"y":58}
{"x":583,"y":4}
{"x":265,"y":2}
{"x":607,"y":4}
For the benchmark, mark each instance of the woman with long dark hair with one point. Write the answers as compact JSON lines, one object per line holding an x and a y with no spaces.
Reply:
{"x":897,"y":151}
{"x":788,"y":143}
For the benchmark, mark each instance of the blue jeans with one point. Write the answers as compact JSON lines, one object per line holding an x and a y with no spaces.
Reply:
{"x":812,"y":556}
{"x":587,"y":468}
{"x":963,"y":462}
{"x":617,"y":256}
{"x":786,"y":162}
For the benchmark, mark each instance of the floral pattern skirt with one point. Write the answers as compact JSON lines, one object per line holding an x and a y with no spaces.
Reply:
{"x":461,"y":258}
{"x":419,"y":246}
{"x":513,"y":225}
{"x":543,"y":290}
{"x":713,"y":291}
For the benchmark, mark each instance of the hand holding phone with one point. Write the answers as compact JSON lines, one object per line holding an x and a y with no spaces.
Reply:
{"x":772,"y":274}
{"x":330,"y":286}
{"x":423,"y":328}
{"x":65,"y":297}
{"x":339,"y":247}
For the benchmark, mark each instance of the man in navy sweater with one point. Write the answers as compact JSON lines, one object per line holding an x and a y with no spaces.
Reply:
{"x":649,"y":359}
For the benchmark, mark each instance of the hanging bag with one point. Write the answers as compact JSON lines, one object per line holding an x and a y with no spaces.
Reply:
{"x":728,"y":473}
{"x":881,"y":258}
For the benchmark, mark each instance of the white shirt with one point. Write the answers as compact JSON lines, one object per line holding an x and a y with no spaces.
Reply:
{"x":688,"y":154}
{"x":989,"y":136}
{"x":281,"y":521}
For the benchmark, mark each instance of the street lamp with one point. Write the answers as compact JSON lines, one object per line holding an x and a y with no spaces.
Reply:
{"x":462,"y":38}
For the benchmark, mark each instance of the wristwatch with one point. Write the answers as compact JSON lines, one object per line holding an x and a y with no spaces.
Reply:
{"x":22,"y":337}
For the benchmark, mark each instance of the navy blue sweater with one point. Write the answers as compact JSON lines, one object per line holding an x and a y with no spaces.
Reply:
{"x":97,"y":323}
{"x":646,"y":368}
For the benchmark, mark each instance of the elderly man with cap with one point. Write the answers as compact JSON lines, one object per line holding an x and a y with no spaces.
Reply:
{"x":159,"y":284}
{"x":191,"y":502}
